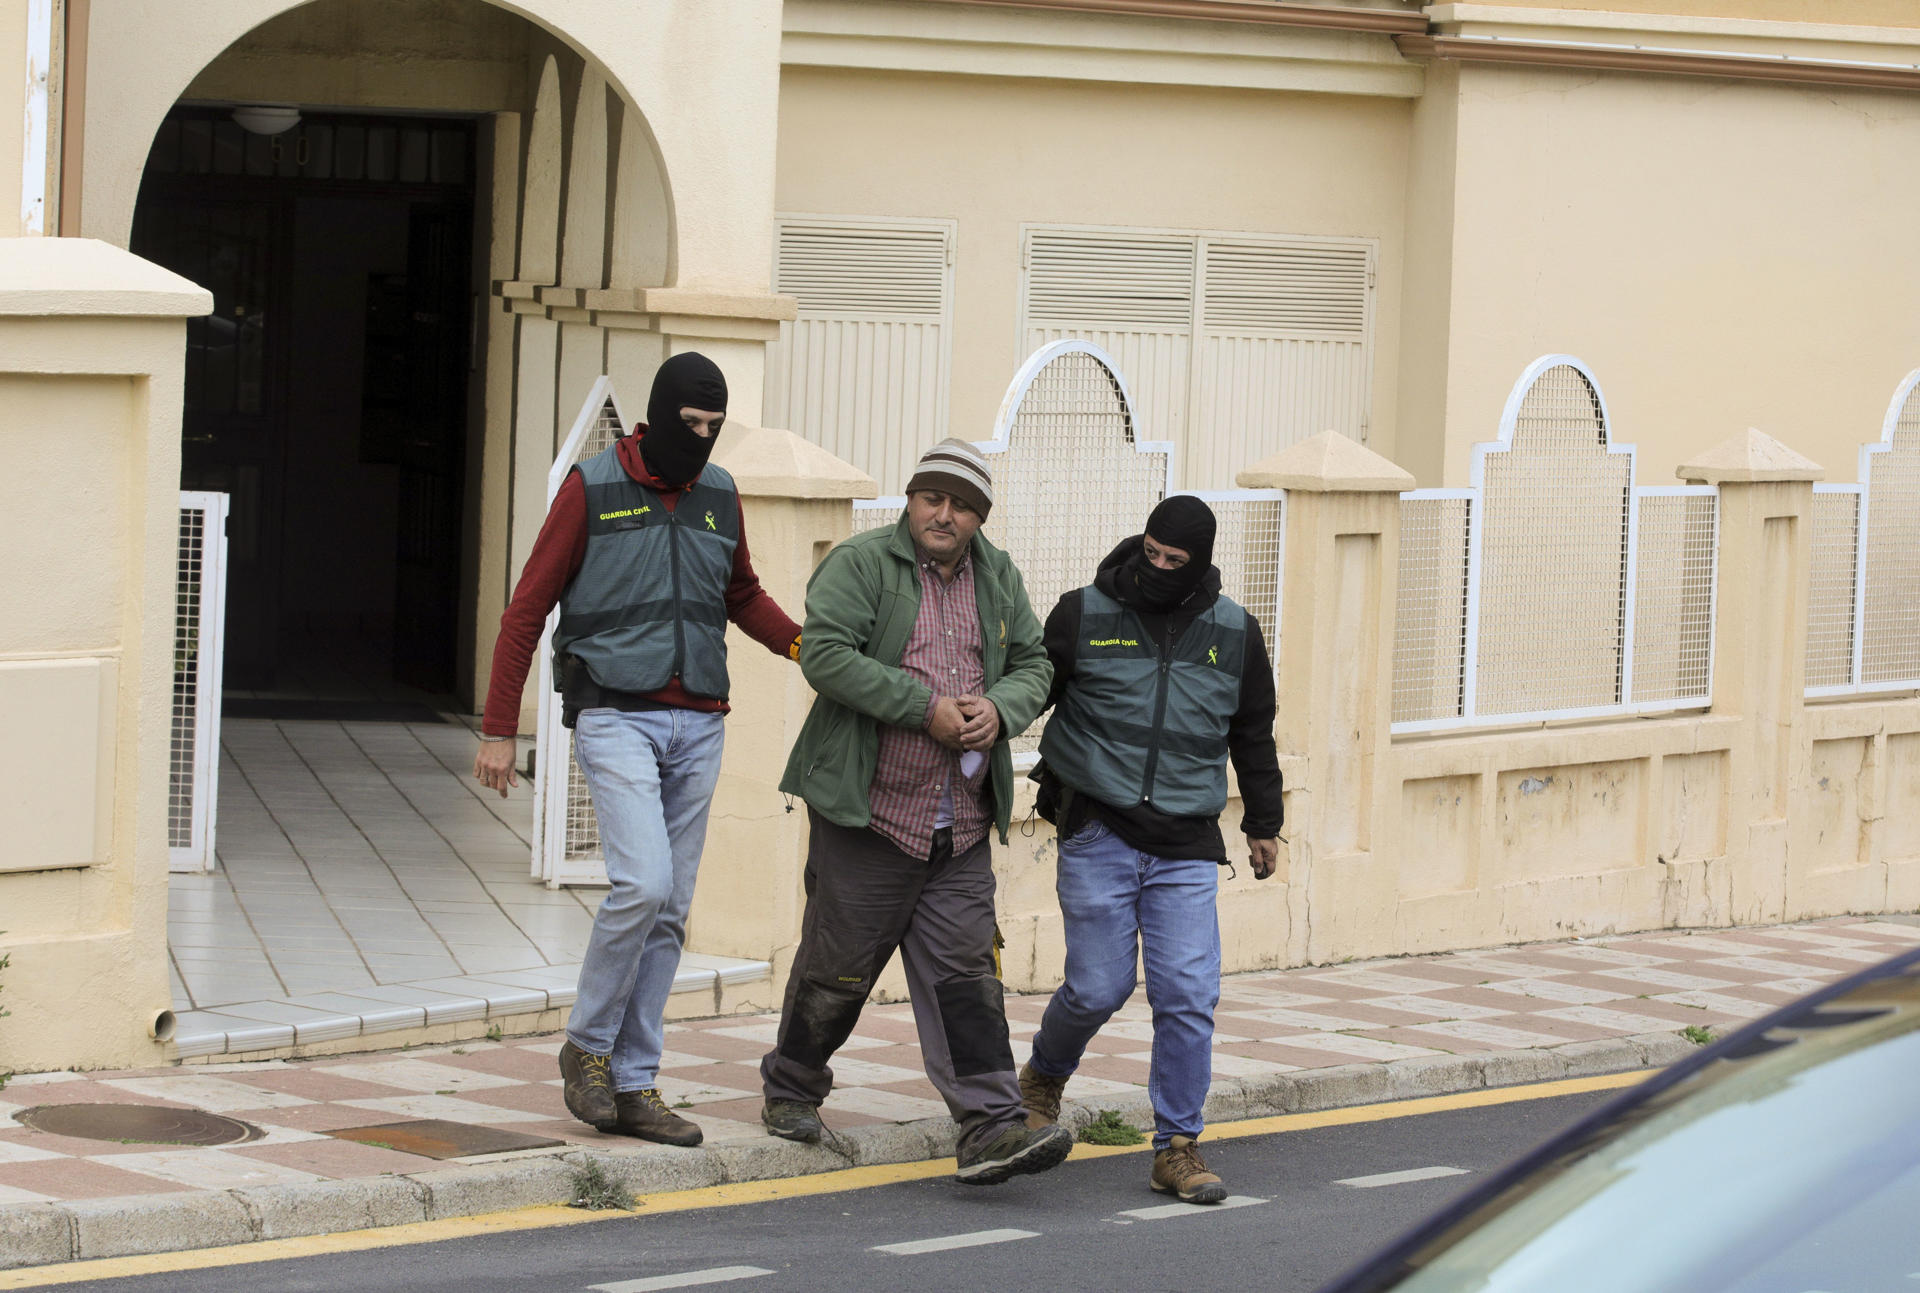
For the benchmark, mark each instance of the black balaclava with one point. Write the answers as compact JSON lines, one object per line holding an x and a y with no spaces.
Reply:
{"x":1181,"y":521}
{"x":672,"y":452}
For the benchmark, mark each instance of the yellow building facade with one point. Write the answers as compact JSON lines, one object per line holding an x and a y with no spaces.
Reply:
{"x":356,"y":264}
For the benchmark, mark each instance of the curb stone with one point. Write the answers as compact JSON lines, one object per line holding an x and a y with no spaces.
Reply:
{"x":322,"y":1207}
{"x":37,"y":1234}
{"x":34,"y":1234}
{"x":501,"y":1187}
{"x":156,"y":1223}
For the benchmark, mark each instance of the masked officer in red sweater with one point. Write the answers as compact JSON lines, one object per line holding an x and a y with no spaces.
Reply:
{"x":645,"y":552}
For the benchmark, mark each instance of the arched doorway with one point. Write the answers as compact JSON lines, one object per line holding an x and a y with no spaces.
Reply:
{"x":397,"y":276}
{"x":327,"y":394}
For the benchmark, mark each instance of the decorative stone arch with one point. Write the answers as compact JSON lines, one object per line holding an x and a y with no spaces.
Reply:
{"x":1550,"y":610}
{"x":701,"y":85}
{"x":544,"y":179}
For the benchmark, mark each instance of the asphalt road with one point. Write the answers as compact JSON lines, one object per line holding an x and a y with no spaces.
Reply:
{"x":1302,"y":1210}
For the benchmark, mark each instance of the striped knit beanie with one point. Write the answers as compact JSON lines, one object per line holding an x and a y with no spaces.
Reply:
{"x":957,"y":468}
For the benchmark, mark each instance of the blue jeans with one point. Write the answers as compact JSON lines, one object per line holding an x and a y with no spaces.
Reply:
{"x":1115,"y":899}
{"x":652,"y":775}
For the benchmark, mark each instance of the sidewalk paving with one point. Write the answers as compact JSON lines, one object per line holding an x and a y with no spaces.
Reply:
{"x":1314,"y":1037}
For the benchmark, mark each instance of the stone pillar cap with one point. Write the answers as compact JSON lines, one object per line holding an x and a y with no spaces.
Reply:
{"x":1750,"y":456}
{"x":769,"y":462}
{"x":86,"y":277}
{"x":1328,"y":463}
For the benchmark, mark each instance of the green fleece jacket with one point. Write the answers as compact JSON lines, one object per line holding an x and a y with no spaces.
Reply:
{"x":862,"y":603}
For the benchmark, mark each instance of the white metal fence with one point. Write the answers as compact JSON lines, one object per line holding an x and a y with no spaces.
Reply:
{"x":1863,"y":631}
{"x":1073,"y":475}
{"x":193,"y":762}
{"x":566,"y":834}
{"x":1553,"y":588}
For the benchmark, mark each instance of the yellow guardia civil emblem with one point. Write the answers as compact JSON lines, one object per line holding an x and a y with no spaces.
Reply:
{"x":1213,"y":655}
{"x":711,"y":525}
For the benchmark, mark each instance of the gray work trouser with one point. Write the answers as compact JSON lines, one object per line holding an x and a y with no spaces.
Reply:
{"x":865,"y":897}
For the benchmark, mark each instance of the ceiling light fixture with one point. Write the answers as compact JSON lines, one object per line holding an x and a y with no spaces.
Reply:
{"x":266,"y":118}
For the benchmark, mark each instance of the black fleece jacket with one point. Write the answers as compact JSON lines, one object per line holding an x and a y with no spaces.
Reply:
{"x":1249,"y":734}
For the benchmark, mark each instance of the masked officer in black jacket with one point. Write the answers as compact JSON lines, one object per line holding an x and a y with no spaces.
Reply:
{"x":1158,"y":679}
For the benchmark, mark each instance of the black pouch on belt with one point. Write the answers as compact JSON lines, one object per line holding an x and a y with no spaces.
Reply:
{"x":578,"y":690}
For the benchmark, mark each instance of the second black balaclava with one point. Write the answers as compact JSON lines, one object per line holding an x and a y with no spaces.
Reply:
{"x":1181,"y":521}
{"x":672,"y":452}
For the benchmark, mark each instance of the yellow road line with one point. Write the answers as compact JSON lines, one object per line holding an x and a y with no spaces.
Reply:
{"x":724,"y":1196}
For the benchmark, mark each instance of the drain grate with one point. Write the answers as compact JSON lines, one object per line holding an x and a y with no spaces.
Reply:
{"x":143,"y":1124}
{"x":439,"y":1138}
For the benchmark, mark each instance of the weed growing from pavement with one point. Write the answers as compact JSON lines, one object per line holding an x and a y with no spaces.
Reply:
{"x":1111,"y":1129}
{"x":1696,"y":1034}
{"x":495,"y":1032}
{"x":595,"y":1191}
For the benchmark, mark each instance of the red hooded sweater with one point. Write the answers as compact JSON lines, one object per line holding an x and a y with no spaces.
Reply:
{"x":555,"y":560}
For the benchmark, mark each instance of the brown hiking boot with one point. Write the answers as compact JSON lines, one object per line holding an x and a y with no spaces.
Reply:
{"x":1179,"y":1170}
{"x":1041,"y":1094}
{"x":644,"y":1114}
{"x":588,"y":1087}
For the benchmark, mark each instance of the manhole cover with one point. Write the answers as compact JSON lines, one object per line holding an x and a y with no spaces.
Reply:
{"x":141,"y":1124}
{"x":439,"y":1138}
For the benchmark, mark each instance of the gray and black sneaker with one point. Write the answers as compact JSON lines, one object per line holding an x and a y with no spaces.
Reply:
{"x":588,"y":1087}
{"x":645,"y":1115}
{"x":793,"y":1120}
{"x":1016,"y":1151}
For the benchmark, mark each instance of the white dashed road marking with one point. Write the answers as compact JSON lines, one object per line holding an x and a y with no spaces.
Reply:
{"x":1166,"y":1210}
{"x":972,"y":1239}
{"x":684,"y":1280}
{"x":1401,"y":1178}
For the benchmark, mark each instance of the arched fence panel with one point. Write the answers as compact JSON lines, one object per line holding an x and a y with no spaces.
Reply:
{"x":566,"y":834}
{"x":1074,"y":474}
{"x":1890,"y":548}
{"x":1862,"y":632}
{"x":1553,"y":588}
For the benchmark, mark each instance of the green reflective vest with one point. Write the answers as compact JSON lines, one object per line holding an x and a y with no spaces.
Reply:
{"x":1139,"y":726}
{"x":650,"y":598}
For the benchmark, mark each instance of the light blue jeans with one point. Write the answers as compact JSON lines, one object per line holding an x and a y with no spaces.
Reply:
{"x":652,"y":775}
{"x":1116,"y":900}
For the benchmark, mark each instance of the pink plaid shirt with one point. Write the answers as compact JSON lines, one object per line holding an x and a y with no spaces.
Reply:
{"x":918,"y":783}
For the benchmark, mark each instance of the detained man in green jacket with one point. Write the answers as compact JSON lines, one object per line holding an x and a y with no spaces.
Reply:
{"x":927,"y":659}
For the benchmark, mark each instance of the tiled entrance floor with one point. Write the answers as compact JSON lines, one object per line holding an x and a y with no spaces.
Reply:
{"x":1466,"y":1003}
{"x":366,"y":884}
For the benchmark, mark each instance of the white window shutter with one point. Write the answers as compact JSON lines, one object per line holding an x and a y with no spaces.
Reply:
{"x":1096,"y":279}
{"x":1129,"y":293}
{"x":1233,"y":344}
{"x":863,"y":371}
{"x":1285,"y":348}
{"x":1299,"y":288}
